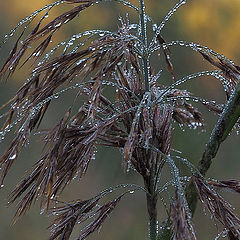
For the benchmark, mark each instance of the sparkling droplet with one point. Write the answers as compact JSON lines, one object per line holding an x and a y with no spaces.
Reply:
{"x":13,"y":156}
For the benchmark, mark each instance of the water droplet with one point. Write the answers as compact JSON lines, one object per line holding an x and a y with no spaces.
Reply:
{"x":58,"y":25}
{"x":13,"y":156}
{"x":154,"y":27}
{"x":42,"y":211}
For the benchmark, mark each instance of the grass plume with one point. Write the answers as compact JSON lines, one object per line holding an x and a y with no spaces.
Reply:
{"x":138,"y":120}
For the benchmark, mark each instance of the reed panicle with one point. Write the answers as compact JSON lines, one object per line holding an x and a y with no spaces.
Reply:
{"x":138,"y":120}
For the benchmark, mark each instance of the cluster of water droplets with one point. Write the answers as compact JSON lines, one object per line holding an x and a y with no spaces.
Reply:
{"x":162,"y":24}
{"x":133,"y":188}
{"x":34,"y":110}
{"x":197,"y":47}
{"x":31,"y":17}
{"x":89,"y":34}
{"x":156,"y":77}
{"x":172,"y":183}
{"x":191,"y":166}
{"x":9,"y":127}
{"x":176,"y":175}
{"x":70,"y":42}
{"x":50,"y":53}
{"x":142,"y":30}
{"x":165,"y":92}
{"x":125,"y":3}
{"x":53,"y":50}
{"x":119,"y":87}
{"x":144,"y":102}
{"x":237,"y":126}
{"x":171,"y":12}
{"x":156,"y":229}
{"x":223,"y":234}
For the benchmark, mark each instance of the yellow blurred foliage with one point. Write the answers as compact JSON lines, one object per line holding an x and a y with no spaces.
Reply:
{"x":214,"y":23}
{"x":19,"y":9}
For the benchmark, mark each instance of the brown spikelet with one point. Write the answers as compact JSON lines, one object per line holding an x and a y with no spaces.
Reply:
{"x":129,"y":148}
{"x":181,"y":227}
{"x":231,"y":71}
{"x":58,"y":22}
{"x":162,"y":127}
{"x":103,"y":212}
{"x":184,"y":112}
{"x":166,"y":56}
{"x":39,"y":50}
{"x":133,"y":136}
{"x":68,"y":153}
{"x":94,"y":97}
{"x":8,"y":62}
{"x":217,"y":206}
{"x":68,"y":215}
{"x":79,"y":212}
{"x":232,"y":185}
{"x":16,"y":55}
{"x":183,"y":116}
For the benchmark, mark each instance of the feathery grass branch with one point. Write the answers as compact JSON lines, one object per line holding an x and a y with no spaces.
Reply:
{"x":220,"y":132}
{"x":224,"y":126}
{"x":143,"y":35}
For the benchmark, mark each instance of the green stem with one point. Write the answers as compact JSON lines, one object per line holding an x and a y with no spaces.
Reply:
{"x":226,"y":122}
{"x":152,"y":204}
{"x":152,"y":212}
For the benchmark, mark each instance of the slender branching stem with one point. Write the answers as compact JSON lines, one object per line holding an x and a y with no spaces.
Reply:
{"x":152,"y":205}
{"x":152,"y":212}
{"x":152,"y":197}
{"x":150,"y":185}
{"x":143,"y":26}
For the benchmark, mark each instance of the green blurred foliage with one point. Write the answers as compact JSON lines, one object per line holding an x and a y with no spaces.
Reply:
{"x":210,"y":22}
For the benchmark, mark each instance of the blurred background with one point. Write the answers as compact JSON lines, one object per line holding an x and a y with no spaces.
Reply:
{"x":214,"y":23}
